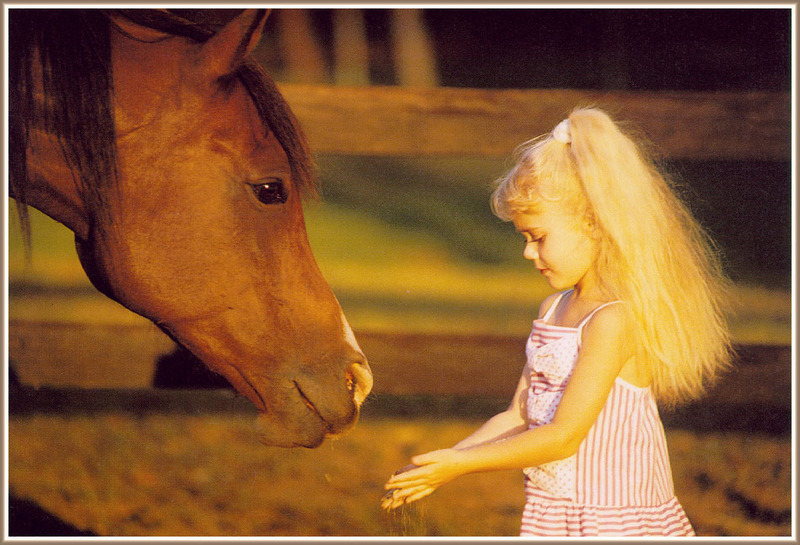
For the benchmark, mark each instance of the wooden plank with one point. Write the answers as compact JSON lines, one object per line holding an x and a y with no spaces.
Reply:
{"x":490,"y":365}
{"x":85,"y":355}
{"x":84,"y":369}
{"x":449,"y":121}
{"x":125,"y":356}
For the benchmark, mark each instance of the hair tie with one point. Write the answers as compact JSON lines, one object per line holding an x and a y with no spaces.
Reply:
{"x":561,"y":133}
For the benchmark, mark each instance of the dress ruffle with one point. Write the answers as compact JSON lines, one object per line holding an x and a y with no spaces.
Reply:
{"x":550,"y":516}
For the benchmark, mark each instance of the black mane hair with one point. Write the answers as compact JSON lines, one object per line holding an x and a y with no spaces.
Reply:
{"x":74,"y":51}
{"x":75,"y":54}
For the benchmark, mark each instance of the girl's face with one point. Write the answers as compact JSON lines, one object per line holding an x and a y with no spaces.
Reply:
{"x":559,"y":245}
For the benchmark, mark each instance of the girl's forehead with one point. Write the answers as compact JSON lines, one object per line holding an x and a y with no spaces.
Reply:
{"x":528,"y":221}
{"x":541,"y":216}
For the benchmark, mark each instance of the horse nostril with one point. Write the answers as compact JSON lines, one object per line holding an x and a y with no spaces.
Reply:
{"x":359,"y":382}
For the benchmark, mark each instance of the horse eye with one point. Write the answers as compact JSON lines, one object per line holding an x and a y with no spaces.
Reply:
{"x":270,"y":192}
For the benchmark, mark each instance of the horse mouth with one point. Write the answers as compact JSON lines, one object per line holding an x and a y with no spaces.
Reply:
{"x":308,"y":403}
{"x":295,"y":419}
{"x":275,"y":432}
{"x":307,"y":429}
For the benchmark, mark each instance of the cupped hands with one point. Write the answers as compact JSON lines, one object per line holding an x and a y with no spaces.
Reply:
{"x":426,"y":473}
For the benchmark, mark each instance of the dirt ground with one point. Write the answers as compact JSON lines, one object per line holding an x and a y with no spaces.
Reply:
{"x":177,"y":474}
{"x":153,"y":462}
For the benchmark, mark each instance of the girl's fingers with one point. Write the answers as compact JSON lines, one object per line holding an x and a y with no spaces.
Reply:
{"x":406,"y":479}
{"x":403,"y":482}
{"x":388,"y":503}
{"x":399,"y":494}
{"x":409,"y":467}
{"x":426,"y":491}
{"x":414,"y":481}
{"x":398,"y":497}
{"x":392,"y":500}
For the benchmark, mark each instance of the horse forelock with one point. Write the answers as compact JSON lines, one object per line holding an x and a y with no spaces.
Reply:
{"x":74,"y":51}
{"x":278,"y":118}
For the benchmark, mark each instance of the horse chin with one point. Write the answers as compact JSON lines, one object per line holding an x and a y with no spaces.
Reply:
{"x":301,"y":424}
{"x":297,"y":422}
{"x":273,"y":433}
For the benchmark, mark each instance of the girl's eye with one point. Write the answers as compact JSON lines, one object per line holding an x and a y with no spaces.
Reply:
{"x":271,"y":192}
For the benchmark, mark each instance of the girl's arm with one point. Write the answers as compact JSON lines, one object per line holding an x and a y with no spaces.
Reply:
{"x":510,"y":422}
{"x":605,"y":349}
{"x":513,"y":420}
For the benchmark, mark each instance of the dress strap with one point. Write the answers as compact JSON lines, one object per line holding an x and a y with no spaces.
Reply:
{"x":552,"y":309}
{"x":589,"y":317}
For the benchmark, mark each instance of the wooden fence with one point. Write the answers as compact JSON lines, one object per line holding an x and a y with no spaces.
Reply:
{"x":77,"y":367}
{"x":751,"y":126}
{"x":439,"y":122}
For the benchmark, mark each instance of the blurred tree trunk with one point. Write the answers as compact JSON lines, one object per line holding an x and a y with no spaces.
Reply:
{"x":414,"y":55}
{"x":304,"y":61}
{"x":350,"y":48}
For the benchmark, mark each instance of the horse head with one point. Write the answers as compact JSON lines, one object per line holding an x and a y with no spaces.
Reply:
{"x":202,"y":230}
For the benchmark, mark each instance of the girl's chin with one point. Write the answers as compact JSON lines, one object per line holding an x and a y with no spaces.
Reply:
{"x":550,"y":279}
{"x":556,"y":285}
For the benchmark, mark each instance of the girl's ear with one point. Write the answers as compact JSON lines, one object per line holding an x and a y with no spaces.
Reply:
{"x":591,"y":227}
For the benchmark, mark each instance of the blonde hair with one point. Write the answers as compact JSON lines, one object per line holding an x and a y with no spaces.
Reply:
{"x":652,"y":253}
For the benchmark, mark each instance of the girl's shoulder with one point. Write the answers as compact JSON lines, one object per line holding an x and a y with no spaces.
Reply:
{"x":613,"y":316}
{"x":550,"y":302}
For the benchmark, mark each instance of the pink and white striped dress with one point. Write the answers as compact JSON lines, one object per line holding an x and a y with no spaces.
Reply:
{"x":619,"y":483}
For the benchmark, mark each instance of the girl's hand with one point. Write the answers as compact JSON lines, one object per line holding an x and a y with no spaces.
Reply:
{"x":427,"y":473}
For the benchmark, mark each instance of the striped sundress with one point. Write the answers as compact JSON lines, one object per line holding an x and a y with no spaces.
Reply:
{"x":619,"y":483}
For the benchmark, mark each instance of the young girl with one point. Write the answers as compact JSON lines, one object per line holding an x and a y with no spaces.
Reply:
{"x":637,"y":319}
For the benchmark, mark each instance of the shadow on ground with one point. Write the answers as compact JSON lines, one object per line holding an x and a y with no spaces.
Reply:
{"x":28,"y":518}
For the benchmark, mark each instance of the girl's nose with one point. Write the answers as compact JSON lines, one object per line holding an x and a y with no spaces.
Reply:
{"x":531,"y":251}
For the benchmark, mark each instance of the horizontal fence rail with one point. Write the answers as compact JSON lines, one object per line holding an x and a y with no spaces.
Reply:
{"x":747,"y":126}
{"x":74,"y":367}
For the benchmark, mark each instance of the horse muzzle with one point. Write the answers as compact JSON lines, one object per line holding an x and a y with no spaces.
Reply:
{"x":311,"y":412}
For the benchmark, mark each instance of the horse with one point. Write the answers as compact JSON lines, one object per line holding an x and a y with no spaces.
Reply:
{"x":181,"y":170}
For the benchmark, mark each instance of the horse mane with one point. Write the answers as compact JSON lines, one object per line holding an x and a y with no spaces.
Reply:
{"x":74,"y":50}
{"x":75,"y":54}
